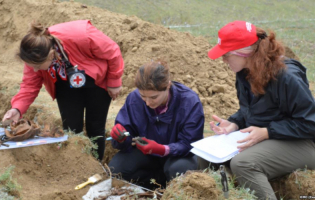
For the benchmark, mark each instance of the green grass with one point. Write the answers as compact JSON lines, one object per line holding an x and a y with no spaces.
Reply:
{"x":9,"y":189}
{"x":89,"y":147}
{"x":293,"y":21}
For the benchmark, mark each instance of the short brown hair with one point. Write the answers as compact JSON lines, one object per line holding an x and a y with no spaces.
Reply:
{"x":154,"y":75}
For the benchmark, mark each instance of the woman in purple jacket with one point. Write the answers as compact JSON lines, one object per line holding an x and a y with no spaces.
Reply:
{"x":163,"y":118}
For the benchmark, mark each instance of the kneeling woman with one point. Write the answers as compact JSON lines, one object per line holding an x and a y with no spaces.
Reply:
{"x":167,"y":116}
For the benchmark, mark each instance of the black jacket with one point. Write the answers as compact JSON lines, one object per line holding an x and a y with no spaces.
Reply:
{"x":287,"y":109}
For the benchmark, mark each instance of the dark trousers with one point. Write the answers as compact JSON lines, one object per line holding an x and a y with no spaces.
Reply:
{"x":95,"y":101}
{"x":140,"y":168}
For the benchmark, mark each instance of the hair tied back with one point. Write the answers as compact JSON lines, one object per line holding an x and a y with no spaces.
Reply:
{"x":38,"y":29}
{"x":263,"y":35}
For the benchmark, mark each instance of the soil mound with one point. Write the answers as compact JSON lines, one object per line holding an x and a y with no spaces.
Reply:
{"x":194,"y":185}
{"x":139,"y":41}
{"x":294,"y":186}
{"x":52,"y":171}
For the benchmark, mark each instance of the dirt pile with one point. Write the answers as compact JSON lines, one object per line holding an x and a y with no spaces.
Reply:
{"x":295,"y":185}
{"x":139,"y":41}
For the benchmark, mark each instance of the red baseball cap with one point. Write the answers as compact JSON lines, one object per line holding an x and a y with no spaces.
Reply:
{"x":235,"y":35}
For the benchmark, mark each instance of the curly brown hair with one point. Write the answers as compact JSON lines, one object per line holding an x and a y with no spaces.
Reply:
{"x":266,"y":62}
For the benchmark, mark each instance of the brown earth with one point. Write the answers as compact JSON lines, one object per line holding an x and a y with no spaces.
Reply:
{"x":197,"y":185}
{"x":46,"y":172}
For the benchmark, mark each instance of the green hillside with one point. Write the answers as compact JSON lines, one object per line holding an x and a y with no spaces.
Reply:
{"x":293,"y":20}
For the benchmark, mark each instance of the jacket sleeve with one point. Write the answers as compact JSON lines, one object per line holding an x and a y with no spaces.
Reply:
{"x":237,"y":117}
{"x":298,"y":104}
{"x":105,"y":48}
{"x":191,"y":131}
{"x":124,"y":118}
{"x":29,"y":89}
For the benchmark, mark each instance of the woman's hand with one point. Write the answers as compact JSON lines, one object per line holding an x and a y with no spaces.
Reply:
{"x":12,"y":114}
{"x":255,"y":136}
{"x":224,"y":127}
{"x":113,"y":92}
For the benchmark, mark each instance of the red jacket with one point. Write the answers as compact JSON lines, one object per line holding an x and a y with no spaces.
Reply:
{"x":86,"y":47}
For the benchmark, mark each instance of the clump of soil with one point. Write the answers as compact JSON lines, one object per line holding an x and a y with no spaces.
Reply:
{"x":192,"y":185}
{"x":297,"y":184}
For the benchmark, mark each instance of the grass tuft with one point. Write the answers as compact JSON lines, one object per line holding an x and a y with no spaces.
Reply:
{"x":9,"y":189}
{"x":89,"y":145}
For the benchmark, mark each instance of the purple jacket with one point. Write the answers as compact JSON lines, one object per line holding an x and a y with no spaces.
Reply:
{"x":181,"y":125}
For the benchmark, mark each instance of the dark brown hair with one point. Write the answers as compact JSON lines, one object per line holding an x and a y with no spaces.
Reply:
{"x":36,"y":44}
{"x":266,"y":61}
{"x":154,"y":75}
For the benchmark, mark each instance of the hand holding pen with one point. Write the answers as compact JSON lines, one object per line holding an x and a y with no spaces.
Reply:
{"x":223,"y":126}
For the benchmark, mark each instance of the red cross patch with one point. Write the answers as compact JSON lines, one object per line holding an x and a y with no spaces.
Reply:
{"x":77,"y":80}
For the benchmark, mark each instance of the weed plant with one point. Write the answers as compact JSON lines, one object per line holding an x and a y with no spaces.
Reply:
{"x":239,"y":192}
{"x":9,"y":189}
{"x":90,"y":147}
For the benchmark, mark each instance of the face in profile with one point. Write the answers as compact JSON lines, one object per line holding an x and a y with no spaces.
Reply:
{"x":235,"y":62}
{"x":44,"y":65}
{"x":154,"y":99}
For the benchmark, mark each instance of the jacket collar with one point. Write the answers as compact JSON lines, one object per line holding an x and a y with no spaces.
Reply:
{"x":168,"y":115}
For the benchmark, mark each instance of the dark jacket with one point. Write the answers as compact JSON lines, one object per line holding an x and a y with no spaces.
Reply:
{"x":181,"y":125}
{"x":287,"y":108}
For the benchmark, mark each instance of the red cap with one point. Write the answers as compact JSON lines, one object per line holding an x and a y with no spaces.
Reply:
{"x":235,"y":35}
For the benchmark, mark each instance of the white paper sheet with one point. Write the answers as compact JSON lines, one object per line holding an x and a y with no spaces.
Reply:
{"x":218,"y":148}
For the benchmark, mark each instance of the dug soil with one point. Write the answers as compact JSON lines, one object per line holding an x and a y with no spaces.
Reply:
{"x":52,"y":171}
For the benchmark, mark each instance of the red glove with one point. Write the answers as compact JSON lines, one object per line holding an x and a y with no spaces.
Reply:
{"x":150,"y":146}
{"x":118,"y":133}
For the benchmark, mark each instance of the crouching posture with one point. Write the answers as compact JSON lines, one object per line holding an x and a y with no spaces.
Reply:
{"x":162,"y":117}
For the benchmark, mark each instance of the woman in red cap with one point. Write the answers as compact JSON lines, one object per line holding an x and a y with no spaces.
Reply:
{"x":276,"y":107}
{"x":79,"y":66}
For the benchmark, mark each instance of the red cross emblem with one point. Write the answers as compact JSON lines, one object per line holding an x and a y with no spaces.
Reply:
{"x":78,"y":80}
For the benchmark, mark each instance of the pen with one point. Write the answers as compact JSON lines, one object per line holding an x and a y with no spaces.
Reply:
{"x":125,"y":133}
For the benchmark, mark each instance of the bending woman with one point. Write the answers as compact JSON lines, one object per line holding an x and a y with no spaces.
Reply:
{"x":79,"y":66}
{"x":167,"y":116}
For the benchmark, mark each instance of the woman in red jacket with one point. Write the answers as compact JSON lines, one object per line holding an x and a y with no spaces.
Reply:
{"x":79,"y":66}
